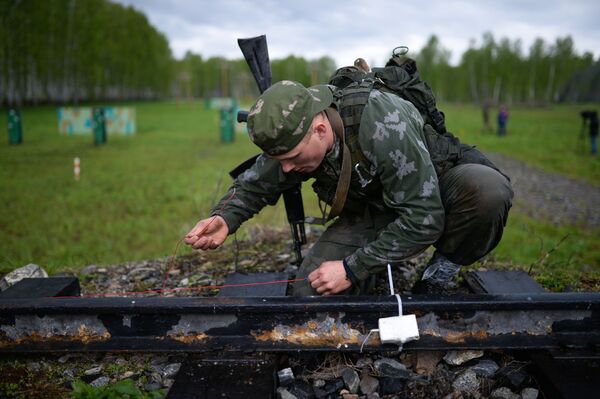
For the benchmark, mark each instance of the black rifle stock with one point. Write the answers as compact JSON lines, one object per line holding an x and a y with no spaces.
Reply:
{"x":256,"y":53}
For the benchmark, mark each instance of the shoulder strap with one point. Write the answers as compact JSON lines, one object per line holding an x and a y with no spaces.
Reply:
{"x":341,"y":191}
{"x":346,"y":124}
{"x":351,"y":103}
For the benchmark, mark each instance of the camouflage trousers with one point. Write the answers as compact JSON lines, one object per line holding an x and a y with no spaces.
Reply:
{"x":476,"y":200}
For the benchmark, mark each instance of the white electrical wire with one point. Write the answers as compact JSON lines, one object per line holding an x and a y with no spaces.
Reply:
{"x":390,"y":279}
{"x":391,"y":283}
{"x":399,"y":304}
{"x":367,"y":337}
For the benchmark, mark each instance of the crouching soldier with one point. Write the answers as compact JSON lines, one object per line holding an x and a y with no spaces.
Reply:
{"x":392,"y":194}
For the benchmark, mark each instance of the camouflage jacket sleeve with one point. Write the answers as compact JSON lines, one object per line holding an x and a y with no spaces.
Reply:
{"x":257,"y":187}
{"x":391,"y":137}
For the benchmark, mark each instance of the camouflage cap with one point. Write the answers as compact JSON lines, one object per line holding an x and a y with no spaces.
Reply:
{"x":282,"y":115}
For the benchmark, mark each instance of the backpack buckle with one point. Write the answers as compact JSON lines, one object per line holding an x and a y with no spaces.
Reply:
{"x":363,"y":182}
{"x":399,"y":51}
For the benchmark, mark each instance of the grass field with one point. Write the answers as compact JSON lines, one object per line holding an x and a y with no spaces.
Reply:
{"x":550,"y":138}
{"x":138,"y":195}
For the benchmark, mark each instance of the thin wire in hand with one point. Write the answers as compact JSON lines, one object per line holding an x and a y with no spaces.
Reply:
{"x":174,"y":256}
{"x":164,"y":290}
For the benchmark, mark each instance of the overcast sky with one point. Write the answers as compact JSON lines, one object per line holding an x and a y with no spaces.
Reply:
{"x":370,"y":29}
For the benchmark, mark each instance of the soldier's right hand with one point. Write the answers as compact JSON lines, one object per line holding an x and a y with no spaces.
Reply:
{"x":208,"y":233}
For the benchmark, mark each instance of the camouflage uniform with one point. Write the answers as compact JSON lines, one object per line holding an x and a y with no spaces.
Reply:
{"x":394,"y":210}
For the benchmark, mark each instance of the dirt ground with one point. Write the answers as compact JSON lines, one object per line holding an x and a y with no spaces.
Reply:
{"x":549,"y":196}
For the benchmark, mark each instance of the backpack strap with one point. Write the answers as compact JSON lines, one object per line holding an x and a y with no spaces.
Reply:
{"x":351,"y":103}
{"x":436,"y":116}
{"x":341,"y":191}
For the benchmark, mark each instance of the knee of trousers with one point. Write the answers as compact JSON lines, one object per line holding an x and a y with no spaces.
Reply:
{"x":491,"y":192}
{"x":496,"y":195}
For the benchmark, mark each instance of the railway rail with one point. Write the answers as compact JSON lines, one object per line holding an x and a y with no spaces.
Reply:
{"x":509,"y":321}
{"x":243,"y":335}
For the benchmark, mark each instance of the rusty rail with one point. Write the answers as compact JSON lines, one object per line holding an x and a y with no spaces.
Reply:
{"x":532,"y":321}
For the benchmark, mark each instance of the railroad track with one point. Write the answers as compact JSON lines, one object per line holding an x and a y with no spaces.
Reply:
{"x":560,"y":326}
{"x":509,"y":321}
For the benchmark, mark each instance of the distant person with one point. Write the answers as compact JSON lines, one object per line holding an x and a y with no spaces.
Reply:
{"x":485,"y":107}
{"x":502,"y":120}
{"x":594,"y":133}
{"x":591,"y":117}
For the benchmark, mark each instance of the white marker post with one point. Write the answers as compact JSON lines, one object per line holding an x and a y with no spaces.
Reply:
{"x":76,"y":168}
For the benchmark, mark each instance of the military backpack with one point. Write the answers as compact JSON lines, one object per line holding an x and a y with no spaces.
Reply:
{"x":401,"y":77}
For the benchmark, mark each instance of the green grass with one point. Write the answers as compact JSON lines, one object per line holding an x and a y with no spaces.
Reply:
{"x":549,"y":138}
{"x":139,"y":195}
{"x":558,"y":256}
{"x":136,"y":197}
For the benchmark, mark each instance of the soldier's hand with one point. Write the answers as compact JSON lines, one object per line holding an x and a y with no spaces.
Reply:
{"x":208,"y":233}
{"x":329,"y":278}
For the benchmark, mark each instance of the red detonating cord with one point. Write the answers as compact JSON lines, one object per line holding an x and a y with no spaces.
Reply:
{"x":164,"y":290}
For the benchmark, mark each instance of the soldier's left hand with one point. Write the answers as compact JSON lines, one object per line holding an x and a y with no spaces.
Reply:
{"x":329,"y":278}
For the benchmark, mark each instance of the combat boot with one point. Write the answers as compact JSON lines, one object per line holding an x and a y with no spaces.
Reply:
{"x":438,"y":277}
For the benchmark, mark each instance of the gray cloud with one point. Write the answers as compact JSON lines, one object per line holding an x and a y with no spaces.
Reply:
{"x":347,"y":29}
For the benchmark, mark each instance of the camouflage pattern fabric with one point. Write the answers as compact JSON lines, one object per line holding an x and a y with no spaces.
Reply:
{"x":476,"y":199}
{"x":282,"y":115}
{"x":391,"y":137}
